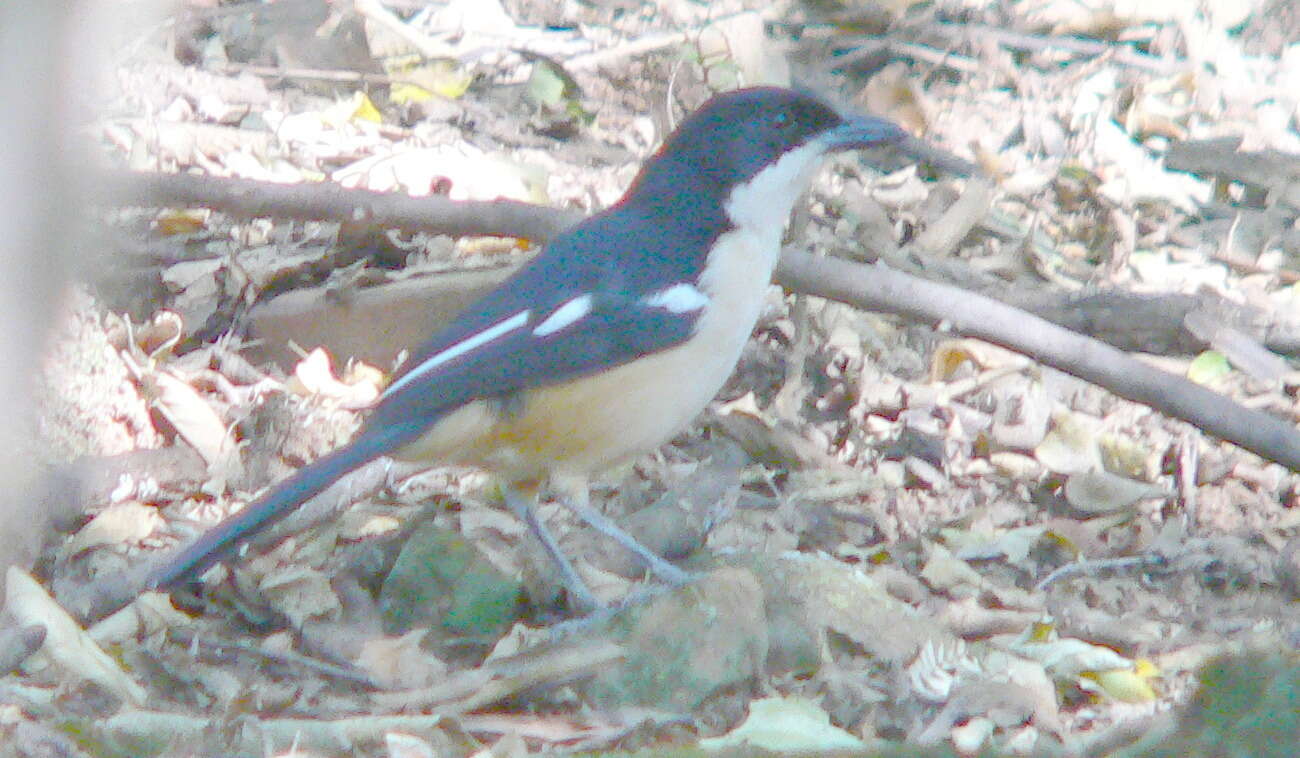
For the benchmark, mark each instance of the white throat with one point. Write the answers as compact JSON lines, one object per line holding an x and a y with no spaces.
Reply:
{"x":763,"y":203}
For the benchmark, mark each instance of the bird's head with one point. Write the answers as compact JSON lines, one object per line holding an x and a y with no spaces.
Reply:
{"x":750,"y":153}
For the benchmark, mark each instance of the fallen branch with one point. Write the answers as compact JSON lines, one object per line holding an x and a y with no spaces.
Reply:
{"x":324,"y":201}
{"x":881,"y":289}
{"x":870,"y":287}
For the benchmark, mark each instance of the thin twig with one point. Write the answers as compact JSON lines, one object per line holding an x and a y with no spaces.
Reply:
{"x":1035,"y":42}
{"x":630,"y":49}
{"x":283,"y":658}
{"x":327,"y":201}
{"x":1092,"y":568}
{"x":316,"y":74}
{"x":873,"y":46}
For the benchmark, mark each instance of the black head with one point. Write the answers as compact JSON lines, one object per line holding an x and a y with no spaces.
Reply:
{"x":734,"y":136}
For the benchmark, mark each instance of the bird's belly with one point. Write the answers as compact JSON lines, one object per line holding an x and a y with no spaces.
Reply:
{"x":588,"y":424}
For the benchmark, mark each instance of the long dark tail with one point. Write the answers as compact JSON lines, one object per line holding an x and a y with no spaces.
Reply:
{"x":222,"y":539}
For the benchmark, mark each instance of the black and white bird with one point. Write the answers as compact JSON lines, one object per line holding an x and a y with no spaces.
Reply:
{"x":612,"y":339}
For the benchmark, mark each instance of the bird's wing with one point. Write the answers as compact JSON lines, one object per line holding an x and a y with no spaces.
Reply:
{"x":572,"y":312}
{"x":585,"y":334}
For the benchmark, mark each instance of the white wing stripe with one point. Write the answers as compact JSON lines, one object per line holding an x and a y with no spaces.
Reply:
{"x":564,"y":316}
{"x":472,"y":342}
{"x":679,"y":298}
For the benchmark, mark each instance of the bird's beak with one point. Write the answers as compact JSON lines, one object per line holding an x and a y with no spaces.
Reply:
{"x":857,"y":132}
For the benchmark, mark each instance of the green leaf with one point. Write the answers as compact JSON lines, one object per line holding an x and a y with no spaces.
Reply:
{"x":1209,"y":367}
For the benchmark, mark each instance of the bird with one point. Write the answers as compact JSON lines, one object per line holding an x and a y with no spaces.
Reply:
{"x":608,"y":342}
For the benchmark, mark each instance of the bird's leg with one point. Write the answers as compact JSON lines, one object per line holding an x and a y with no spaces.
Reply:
{"x":578,"y":500}
{"x":523,"y":501}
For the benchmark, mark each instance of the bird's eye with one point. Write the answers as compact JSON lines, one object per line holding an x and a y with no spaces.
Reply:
{"x":781,"y":120}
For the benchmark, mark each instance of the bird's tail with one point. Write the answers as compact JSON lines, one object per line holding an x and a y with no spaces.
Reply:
{"x":222,"y":539}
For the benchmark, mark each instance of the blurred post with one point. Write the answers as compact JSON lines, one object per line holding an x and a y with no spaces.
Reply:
{"x":32,"y":201}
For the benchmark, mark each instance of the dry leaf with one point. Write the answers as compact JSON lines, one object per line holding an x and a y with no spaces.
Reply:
{"x":66,"y":643}
{"x":1098,"y":492}
{"x":462,"y":172}
{"x":786,"y":725}
{"x":1067,"y":659}
{"x":398,"y":663}
{"x":300,"y":594}
{"x":122,"y":523}
{"x":314,"y":375}
{"x":194,"y":418}
{"x":398,"y":745}
{"x":1071,"y":445}
{"x":1128,"y":684}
